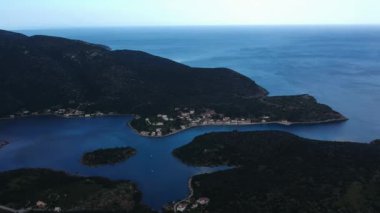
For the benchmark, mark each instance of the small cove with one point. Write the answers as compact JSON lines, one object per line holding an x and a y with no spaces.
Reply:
{"x":59,"y":143}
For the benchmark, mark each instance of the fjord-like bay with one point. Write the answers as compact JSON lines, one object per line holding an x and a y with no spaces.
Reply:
{"x":340,"y":66}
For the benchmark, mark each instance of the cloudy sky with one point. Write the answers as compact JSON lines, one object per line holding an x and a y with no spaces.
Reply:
{"x":29,"y":14}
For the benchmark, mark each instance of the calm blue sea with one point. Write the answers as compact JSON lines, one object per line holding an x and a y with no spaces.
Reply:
{"x":338,"y":65}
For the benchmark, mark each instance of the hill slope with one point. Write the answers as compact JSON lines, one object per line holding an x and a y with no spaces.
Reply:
{"x":39,"y":72}
{"x":44,"y":74}
{"x":281,"y":172}
{"x":22,"y":188}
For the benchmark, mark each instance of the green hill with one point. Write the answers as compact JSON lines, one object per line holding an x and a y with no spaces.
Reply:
{"x":40,"y":72}
{"x":280,"y":172}
{"x":43,"y":74}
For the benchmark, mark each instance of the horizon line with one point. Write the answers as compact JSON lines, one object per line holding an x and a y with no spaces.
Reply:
{"x":200,"y":25}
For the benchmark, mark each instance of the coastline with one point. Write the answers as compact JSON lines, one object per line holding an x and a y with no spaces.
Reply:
{"x":188,"y":197}
{"x":243,"y":124}
{"x":284,"y":123}
{"x":62,"y":116}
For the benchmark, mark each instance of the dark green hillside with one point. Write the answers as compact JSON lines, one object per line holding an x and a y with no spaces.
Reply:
{"x":281,"y":172}
{"x":25,"y":187}
{"x":41,"y":74}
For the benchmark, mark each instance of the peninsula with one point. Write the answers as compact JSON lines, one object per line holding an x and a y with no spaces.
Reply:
{"x":107,"y":156}
{"x":281,"y":172}
{"x":285,"y":110}
{"x":71,"y":78}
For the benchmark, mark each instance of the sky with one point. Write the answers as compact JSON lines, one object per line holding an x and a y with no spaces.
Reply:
{"x":39,"y":14}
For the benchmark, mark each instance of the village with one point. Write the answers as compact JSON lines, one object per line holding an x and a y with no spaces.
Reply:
{"x":62,"y":112}
{"x":190,"y":205}
{"x":160,"y":124}
{"x":40,"y":206}
{"x":184,"y":118}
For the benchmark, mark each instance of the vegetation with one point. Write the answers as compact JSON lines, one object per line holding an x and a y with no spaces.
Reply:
{"x":24,"y":188}
{"x":41,"y":74}
{"x":377,"y":141}
{"x":107,"y":156}
{"x":280,"y":172}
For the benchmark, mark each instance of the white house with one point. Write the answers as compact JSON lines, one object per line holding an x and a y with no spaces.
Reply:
{"x":182,"y":207}
{"x":41,"y":204}
{"x":203,"y":200}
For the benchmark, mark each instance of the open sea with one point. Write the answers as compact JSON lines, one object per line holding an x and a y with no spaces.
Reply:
{"x":339,"y":65}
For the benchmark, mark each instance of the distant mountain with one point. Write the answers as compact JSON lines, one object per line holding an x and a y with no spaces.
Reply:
{"x":40,"y":72}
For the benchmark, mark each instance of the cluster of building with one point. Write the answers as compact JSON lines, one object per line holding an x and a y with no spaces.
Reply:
{"x":76,"y":113}
{"x":161,"y":120}
{"x":59,"y":112}
{"x":182,"y":207}
{"x":190,"y":118}
{"x":40,"y":205}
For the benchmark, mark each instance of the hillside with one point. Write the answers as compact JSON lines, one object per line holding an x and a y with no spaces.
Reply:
{"x":51,"y":75}
{"x":41,"y":72}
{"x":281,"y":172}
{"x":23,"y":188}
